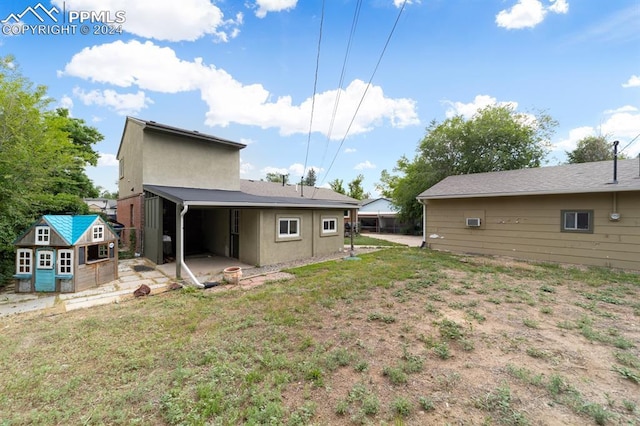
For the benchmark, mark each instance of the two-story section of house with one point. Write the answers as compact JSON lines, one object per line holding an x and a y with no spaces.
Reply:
{"x":180,"y":192}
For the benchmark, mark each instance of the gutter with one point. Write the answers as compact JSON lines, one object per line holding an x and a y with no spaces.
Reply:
{"x":183,"y":265}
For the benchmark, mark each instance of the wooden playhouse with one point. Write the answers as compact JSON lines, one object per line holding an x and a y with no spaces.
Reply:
{"x":64,"y":253}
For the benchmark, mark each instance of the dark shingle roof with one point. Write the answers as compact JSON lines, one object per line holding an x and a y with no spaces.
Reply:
{"x":264,"y":188}
{"x":194,"y":134}
{"x":564,"y":179}
{"x":218,"y":197}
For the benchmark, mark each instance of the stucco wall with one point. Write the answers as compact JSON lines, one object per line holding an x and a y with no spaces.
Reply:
{"x":530,"y":228}
{"x":129,"y":154}
{"x":189,"y":163}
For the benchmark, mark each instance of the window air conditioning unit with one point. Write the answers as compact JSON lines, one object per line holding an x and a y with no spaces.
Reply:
{"x":473,"y":222}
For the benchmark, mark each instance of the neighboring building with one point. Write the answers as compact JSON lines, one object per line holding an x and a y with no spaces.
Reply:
{"x":380,"y":215}
{"x":575,"y":213}
{"x":105,"y":206}
{"x":183,"y":190}
{"x":63,"y":253}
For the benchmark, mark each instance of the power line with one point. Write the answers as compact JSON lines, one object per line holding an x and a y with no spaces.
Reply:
{"x":632,"y":140}
{"x":367,"y":88}
{"x":313,"y":98}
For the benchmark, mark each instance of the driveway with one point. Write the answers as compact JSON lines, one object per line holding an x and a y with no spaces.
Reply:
{"x":410,"y":240}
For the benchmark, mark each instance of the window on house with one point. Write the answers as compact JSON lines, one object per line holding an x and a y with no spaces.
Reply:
{"x":577,"y":220}
{"x":288,"y":227}
{"x":347,"y":214}
{"x":24,"y":261}
{"x":65,"y":262}
{"x":98,"y":233}
{"x":329,"y":225}
{"x":97,"y":252}
{"x":131,"y":222}
{"x":121,"y":168}
{"x":45,"y":259}
{"x":43,"y":235}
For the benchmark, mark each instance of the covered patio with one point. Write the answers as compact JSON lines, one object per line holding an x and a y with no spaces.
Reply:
{"x":205,"y":267}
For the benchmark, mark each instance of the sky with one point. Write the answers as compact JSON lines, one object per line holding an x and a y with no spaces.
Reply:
{"x":345,"y":87}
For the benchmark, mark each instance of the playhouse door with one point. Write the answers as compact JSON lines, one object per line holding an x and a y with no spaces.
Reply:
{"x":45,"y":270}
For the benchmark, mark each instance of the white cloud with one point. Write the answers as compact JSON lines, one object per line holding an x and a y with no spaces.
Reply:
{"x":399,"y":3}
{"x":469,"y":109}
{"x":528,"y":13}
{"x":266,"y":6}
{"x":365,"y":165}
{"x":575,"y":135}
{"x":245,"y":168}
{"x":277,"y":170}
{"x":164,"y":20}
{"x":107,"y":160}
{"x":66,"y":102}
{"x":349,"y":150}
{"x":634,"y":81}
{"x":121,"y":103}
{"x":246,"y":141}
{"x":155,"y":68}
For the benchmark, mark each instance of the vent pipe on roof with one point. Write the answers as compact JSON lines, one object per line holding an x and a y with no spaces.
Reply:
{"x":615,"y":161}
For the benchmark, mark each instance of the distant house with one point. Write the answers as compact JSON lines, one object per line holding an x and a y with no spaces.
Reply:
{"x":379,"y":215}
{"x":579,"y":213}
{"x":63,"y":253}
{"x":105,"y":206}
{"x":182,"y":190}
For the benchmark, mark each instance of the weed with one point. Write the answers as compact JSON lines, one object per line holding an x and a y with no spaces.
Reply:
{"x":303,"y":414}
{"x":340,"y":357}
{"x":537,"y":353}
{"x":628,"y":359}
{"x":370,"y":405}
{"x":494,"y":300}
{"x":361,"y":366}
{"x":547,"y":289}
{"x":442,"y":350}
{"x":475,"y":315}
{"x":430,"y":308}
{"x":546,"y":310}
{"x":499,"y":402}
{"x":401,"y":406}
{"x":450,"y":329}
{"x":630,"y":406}
{"x":396,"y":375}
{"x":387,"y":319}
{"x":342,"y":407}
{"x":628,"y":373}
{"x":436,"y":297}
{"x":426,"y":403}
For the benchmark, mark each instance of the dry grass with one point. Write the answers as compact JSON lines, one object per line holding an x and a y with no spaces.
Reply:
{"x":404,"y":336}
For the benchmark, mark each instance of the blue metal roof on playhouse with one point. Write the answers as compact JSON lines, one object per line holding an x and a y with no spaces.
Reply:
{"x":71,"y":228}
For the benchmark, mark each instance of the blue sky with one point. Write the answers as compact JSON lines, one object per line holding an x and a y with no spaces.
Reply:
{"x":246,"y":71}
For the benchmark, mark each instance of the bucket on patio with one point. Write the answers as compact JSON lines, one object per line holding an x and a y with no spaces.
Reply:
{"x":232,"y":274}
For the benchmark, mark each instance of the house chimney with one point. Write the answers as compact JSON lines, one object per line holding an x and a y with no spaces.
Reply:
{"x":615,"y":161}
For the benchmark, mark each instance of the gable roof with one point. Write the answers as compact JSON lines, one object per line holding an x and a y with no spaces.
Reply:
{"x":564,"y":179}
{"x":377,"y":206}
{"x":249,"y":197}
{"x":71,"y":228}
{"x":150,"y":125}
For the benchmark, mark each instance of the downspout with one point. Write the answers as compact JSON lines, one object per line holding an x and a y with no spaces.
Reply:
{"x":183,"y":265}
{"x":424,"y":223}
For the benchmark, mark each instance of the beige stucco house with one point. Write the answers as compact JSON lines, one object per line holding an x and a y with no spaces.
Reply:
{"x":181,"y":191}
{"x":579,"y":213}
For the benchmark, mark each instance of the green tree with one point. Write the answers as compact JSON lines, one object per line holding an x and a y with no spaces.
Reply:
{"x":311,"y":178}
{"x":36,"y":153}
{"x":592,"y":148}
{"x":277,"y":177}
{"x":496,"y":138}
{"x":355,"y":189}
{"x":337,"y":186}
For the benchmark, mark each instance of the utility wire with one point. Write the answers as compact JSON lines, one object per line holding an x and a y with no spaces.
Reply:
{"x":632,"y":140}
{"x":366,"y":89}
{"x":313,"y":98}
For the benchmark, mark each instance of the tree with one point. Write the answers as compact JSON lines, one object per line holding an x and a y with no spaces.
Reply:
{"x":311,"y":178}
{"x":496,"y":138}
{"x":38,"y":160}
{"x":337,"y":186}
{"x":592,"y":148}
{"x":355,"y":189}
{"x":277,"y":177}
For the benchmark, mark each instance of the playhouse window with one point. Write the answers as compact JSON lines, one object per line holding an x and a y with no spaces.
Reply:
{"x":65,"y":262}
{"x":45,"y":259}
{"x":329,"y":225}
{"x":577,"y":220}
{"x":98,"y":233}
{"x":24,"y":261}
{"x":42,"y":235}
{"x":288,"y":227}
{"x":97,"y":252}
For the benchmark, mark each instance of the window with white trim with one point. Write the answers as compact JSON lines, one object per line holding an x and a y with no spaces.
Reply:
{"x":98,"y":233}
{"x":43,"y":235}
{"x":577,"y":221}
{"x":65,"y":262}
{"x":24,"y":261}
{"x":347,"y":214}
{"x":45,"y":259}
{"x":329,"y":225}
{"x":288,"y":227}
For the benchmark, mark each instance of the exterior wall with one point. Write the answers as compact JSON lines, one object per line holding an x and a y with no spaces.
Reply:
{"x":130,"y":155}
{"x":310,"y":243}
{"x":190,"y":163}
{"x":133,"y":223}
{"x":530,"y":228}
{"x":215,"y":229}
{"x":250,"y":243}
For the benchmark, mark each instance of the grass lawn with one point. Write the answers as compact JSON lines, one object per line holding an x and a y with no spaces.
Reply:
{"x":403,"y":336}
